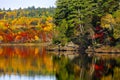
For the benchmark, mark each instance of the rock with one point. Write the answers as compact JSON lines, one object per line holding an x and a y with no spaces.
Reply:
{"x":71,"y":44}
{"x":68,"y":47}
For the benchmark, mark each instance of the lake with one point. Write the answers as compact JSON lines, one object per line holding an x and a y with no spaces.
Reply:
{"x":35,"y":63}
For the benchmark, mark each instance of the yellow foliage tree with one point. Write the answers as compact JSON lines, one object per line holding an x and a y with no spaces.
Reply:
{"x":2,"y":24}
{"x":1,"y":38}
{"x":20,"y":21}
{"x":117,"y":26}
{"x":50,"y":19}
{"x":107,"y":21}
{"x":11,"y":14}
{"x":37,"y":38}
{"x":48,"y":26}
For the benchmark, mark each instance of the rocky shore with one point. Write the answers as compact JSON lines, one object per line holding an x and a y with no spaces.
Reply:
{"x":69,"y":47}
{"x":73,"y":47}
{"x":105,"y":49}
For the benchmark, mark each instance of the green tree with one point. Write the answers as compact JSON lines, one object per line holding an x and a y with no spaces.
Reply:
{"x":77,"y":14}
{"x":104,"y":7}
{"x":117,"y":26}
{"x":61,"y":37}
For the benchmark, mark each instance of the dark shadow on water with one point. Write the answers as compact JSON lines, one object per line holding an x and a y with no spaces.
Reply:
{"x":87,"y":67}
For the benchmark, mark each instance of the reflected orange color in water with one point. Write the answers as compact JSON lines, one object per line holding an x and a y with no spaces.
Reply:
{"x":25,"y":60}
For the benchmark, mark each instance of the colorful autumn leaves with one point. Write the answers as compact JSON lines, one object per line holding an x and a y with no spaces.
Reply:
{"x":26,"y":29}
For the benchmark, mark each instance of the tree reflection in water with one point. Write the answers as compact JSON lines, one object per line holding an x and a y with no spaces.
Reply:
{"x":25,"y":61}
{"x":34,"y":61}
{"x":87,"y":67}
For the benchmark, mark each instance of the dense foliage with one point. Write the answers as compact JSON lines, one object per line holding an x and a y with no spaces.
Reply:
{"x":117,"y":26}
{"x":77,"y":17}
{"x":26,"y":25}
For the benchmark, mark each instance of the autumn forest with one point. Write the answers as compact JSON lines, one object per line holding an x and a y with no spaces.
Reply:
{"x":75,"y":40}
{"x":26,"y":25}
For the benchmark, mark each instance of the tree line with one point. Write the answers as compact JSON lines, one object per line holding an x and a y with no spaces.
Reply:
{"x":26,"y":25}
{"x":77,"y":17}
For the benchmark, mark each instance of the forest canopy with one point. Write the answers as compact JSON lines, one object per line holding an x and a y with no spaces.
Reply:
{"x":69,"y":19}
{"x":76,"y":17}
{"x":26,"y":25}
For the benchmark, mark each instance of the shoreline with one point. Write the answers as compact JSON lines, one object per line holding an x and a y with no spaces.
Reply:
{"x":55,"y":48}
{"x":100,"y":50}
{"x":25,"y":44}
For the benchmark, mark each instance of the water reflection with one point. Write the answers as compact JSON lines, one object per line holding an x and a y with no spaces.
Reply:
{"x":87,"y":67}
{"x":17,"y":77}
{"x":35,"y":63}
{"x":26,"y":62}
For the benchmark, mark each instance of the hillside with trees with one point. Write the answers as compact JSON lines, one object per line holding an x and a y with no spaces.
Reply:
{"x":97,"y":19}
{"x":26,"y":25}
{"x":71,"y":20}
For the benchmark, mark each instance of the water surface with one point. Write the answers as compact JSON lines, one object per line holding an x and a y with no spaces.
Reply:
{"x":35,"y":63}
